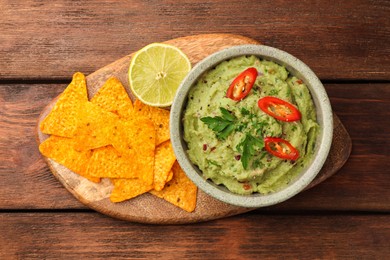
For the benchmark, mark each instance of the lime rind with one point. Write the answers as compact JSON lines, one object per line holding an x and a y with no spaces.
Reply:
{"x":156,"y":72}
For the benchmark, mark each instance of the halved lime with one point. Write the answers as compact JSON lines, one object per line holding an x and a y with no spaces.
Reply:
{"x":156,"y":72}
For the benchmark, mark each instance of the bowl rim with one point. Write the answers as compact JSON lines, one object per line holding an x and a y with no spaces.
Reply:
{"x":324,"y":117}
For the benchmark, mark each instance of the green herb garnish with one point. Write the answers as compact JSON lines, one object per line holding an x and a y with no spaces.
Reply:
{"x":245,"y":111}
{"x":223,"y":125}
{"x":248,"y":147}
{"x":259,"y":126}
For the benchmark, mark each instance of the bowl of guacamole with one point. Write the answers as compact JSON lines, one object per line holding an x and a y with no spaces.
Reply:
{"x":251,"y":125}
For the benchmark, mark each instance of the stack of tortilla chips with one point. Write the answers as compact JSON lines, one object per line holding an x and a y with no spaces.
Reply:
{"x":110,"y":137}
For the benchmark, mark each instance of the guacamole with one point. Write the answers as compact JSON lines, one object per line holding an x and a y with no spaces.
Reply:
{"x":225,"y":137}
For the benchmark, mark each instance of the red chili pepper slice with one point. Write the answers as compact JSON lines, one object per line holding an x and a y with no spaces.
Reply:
{"x":279,"y":109}
{"x":281,"y":148}
{"x":242,"y":84}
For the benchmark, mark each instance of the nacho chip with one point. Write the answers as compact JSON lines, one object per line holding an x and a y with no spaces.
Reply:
{"x":106,"y":162}
{"x":125,"y":189}
{"x":180,"y":191}
{"x":93,"y":117}
{"x":61,"y":150}
{"x":133,"y":156}
{"x":163,"y":161}
{"x":98,"y":128}
{"x":159,"y":116}
{"x":112,"y":97}
{"x":169,"y":177}
{"x":137,"y":140}
{"x":63,"y":119}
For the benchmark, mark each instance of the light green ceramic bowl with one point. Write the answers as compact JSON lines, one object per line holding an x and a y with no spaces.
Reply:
{"x":324,"y":118}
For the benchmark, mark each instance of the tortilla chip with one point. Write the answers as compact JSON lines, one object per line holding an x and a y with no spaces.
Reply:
{"x":159,"y":116}
{"x":63,"y":119}
{"x":95,"y":117}
{"x":112,"y":97}
{"x":137,"y":142}
{"x":61,"y":150}
{"x":98,"y":128}
{"x":180,"y":191}
{"x":125,"y":189}
{"x":106,"y":162}
{"x":101,"y":128}
{"x":140,"y":145}
{"x":112,"y":139}
{"x":169,"y":177}
{"x":163,"y":162}
{"x":133,"y":156}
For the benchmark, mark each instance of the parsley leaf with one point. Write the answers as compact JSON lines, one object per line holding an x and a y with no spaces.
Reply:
{"x":223,"y":125}
{"x":245,"y":111}
{"x":259,"y":126}
{"x":247,"y":148}
{"x":227,"y":115}
{"x":226,"y":132}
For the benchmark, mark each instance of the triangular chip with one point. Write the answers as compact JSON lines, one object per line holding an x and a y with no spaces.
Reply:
{"x":137,"y":140}
{"x":133,"y":156}
{"x":159,"y":116}
{"x":63,"y":119}
{"x":169,"y":177}
{"x":98,"y":128}
{"x":93,"y":117}
{"x":106,"y":162}
{"x":163,"y":161}
{"x":112,"y":97}
{"x":180,"y":191}
{"x":61,"y":150}
{"x":125,"y":189}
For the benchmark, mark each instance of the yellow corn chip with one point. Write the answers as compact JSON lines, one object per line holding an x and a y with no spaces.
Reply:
{"x":180,"y":191}
{"x":169,"y":177}
{"x":93,"y":117}
{"x":112,"y":97}
{"x":112,"y":139}
{"x":61,"y":150}
{"x":98,"y":128}
{"x":125,"y":189}
{"x":163,"y":161}
{"x":106,"y":162}
{"x":63,"y":119}
{"x":133,"y":156}
{"x":159,"y":116}
{"x":140,"y":144}
{"x":137,"y":140}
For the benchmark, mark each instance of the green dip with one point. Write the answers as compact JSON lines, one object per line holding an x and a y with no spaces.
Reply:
{"x":221,"y":159}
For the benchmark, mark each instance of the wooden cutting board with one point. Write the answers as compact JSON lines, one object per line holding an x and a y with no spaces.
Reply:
{"x":148,"y":208}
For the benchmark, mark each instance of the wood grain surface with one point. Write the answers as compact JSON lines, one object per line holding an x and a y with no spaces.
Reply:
{"x":343,"y":40}
{"x":250,"y":236}
{"x":346,"y":43}
{"x":148,"y":208}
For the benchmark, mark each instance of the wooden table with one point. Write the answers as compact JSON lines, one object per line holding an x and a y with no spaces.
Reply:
{"x":346,"y":43}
